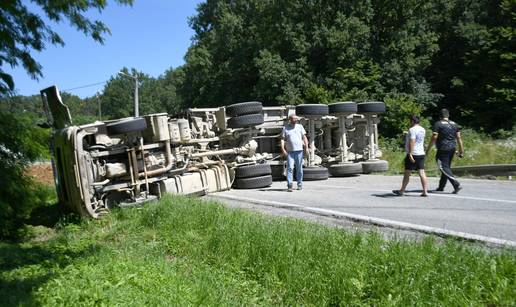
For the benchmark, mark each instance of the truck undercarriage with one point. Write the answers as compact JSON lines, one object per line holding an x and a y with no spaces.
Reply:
{"x":129,"y":161}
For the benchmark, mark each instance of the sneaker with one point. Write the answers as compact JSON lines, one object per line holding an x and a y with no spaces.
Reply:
{"x":397,"y":192}
{"x":289,"y":190}
{"x":457,"y":189}
{"x":299,"y":187}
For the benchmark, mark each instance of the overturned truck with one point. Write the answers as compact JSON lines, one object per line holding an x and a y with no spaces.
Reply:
{"x":129,"y":161}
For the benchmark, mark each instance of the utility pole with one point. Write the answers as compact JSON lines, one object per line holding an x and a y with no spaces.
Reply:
{"x":135,"y":77}
{"x":136,"y":106}
{"x":100,"y":110}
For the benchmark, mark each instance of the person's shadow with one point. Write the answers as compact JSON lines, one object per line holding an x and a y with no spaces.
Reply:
{"x":389,"y":195}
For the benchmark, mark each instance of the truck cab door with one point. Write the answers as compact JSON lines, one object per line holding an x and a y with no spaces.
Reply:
{"x":58,"y":113}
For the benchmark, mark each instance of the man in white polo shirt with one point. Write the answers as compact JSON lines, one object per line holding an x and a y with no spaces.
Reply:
{"x":415,"y":159}
{"x":293,"y":141}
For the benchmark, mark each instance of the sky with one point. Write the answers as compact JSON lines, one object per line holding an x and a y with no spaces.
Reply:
{"x":151,"y":36}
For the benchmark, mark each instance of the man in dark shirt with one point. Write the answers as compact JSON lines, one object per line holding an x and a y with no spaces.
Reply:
{"x":446,"y":135}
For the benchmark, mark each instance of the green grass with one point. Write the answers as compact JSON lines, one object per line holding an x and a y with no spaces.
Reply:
{"x":479,"y":149}
{"x":184,"y":251}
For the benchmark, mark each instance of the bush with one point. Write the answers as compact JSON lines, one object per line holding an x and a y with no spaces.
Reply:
{"x":399,"y":109}
{"x":21,"y":142}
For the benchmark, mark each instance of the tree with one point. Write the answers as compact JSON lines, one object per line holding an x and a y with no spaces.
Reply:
{"x":474,"y":68}
{"x":156,"y":95}
{"x":23,"y":31}
{"x":297,"y":51}
{"x":20,"y":143}
{"x":117,"y":98}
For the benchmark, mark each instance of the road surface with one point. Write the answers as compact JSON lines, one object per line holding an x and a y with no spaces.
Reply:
{"x":483,"y":210}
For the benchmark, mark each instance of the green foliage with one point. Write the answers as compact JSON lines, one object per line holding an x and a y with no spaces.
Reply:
{"x":317,"y":94}
{"x":154,"y":95}
{"x":360,"y":82}
{"x":184,"y":251}
{"x":483,"y":149}
{"x":117,"y":100}
{"x":30,"y":106}
{"x":474,"y":68}
{"x":24,"y":31}
{"x":400,"y":107}
{"x":297,"y":51}
{"x":454,"y":54}
{"x":282,"y":82}
{"x":20,"y":143}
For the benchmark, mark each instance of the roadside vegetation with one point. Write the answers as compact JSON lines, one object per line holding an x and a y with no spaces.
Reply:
{"x":186,"y":251}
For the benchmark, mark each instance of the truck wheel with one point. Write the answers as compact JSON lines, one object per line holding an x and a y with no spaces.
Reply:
{"x":254,"y":170}
{"x":311,"y":110}
{"x":347,"y":107}
{"x":126,"y":126}
{"x":374,"y":166}
{"x":371,"y":107}
{"x":244,"y":108}
{"x":315,"y":173}
{"x":245,"y":121}
{"x":345,"y":169}
{"x":253,"y":182}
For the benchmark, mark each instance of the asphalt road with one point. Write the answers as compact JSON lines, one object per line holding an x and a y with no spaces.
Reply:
{"x":483,"y":208}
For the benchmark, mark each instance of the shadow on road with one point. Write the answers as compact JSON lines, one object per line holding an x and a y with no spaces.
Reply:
{"x":272,"y":190}
{"x":389,"y":195}
{"x":385,"y":195}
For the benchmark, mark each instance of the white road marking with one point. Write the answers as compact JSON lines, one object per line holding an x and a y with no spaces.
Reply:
{"x":431,"y":194}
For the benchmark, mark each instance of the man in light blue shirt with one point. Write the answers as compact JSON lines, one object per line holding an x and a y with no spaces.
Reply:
{"x":293,"y":142}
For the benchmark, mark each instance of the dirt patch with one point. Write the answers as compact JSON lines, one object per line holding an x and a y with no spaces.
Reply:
{"x":42,"y":173}
{"x":41,"y":233}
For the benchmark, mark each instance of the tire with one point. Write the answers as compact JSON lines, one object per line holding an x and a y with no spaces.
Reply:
{"x":245,"y":121}
{"x":244,"y":108}
{"x":315,"y":173}
{"x":371,"y":107}
{"x":254,"y":170}
{"x":347,"y":107}
{"x":277,"y":172}
{"x":126,"y":126}
{"x":312,"y":110}
{"x":374,"y":166}
{"x":345,"y":169}
{"x":253,"y":182}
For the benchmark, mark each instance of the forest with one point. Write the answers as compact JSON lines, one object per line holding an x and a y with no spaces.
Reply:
{"x":417,"y":56}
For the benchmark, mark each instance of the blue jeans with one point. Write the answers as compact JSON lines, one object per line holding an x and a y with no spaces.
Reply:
{"x":294,"y":158}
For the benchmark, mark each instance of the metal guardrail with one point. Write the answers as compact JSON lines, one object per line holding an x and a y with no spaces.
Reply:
{"x":489,"y":169}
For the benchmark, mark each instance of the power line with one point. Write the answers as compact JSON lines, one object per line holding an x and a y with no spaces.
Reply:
{"x":84,"y":86}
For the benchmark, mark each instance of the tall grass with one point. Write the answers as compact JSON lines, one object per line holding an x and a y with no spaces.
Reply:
{"x":184,"y":251}
{"x":479,"y":149}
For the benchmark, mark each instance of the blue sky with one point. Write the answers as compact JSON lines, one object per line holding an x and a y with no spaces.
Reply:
{"x":151,"y":36}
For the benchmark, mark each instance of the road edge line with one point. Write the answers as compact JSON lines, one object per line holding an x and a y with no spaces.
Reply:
{"x":376,"y":221}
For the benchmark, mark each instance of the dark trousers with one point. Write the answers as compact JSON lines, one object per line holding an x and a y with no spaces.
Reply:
{"x":444,"y":159}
